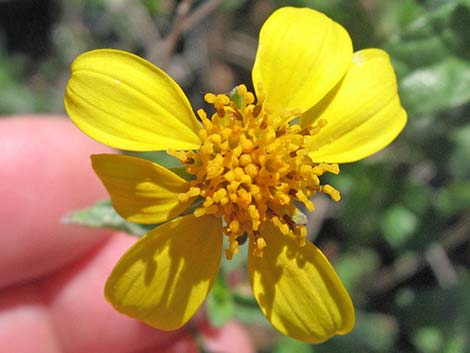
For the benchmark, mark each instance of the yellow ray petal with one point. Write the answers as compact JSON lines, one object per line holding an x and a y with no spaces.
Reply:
{"x":166,"y":275}
{"x":298,"y":290}
{"x":124,"y":101}
{"x":301,"y":55}
{"x":363,"y":112}
{"x":141,"y":191}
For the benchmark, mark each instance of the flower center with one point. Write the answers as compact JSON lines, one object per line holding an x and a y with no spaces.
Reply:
{"x":253,"y":167}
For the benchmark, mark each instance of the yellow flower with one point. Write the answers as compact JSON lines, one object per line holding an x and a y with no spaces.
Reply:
{"x":317,"y":104}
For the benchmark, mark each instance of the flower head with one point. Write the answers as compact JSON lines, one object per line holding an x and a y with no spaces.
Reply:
{"x":252,"y":161}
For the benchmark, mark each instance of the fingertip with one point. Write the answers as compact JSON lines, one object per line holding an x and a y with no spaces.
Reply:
{"x":230,"y":338}
{"x":45,"y":174}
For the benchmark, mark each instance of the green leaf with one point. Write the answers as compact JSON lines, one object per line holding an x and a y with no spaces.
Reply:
{"x":103,"y":215}
{"x":355,"y":264}
{"x":459,"y":160}
{"x":437,"y":87}
{"x":429,"y":340}
{"x":233,"y":5}
{"x":397,"y":15}
{"x":250,"y":314}
{"x":459,"y":24}
{"x":289,"y":345}
{"x":165,"y":160}
{"x":220,"y":305}
{"x":374,"y":332}
{"x":453,"y":198}
{"x":160,"y":157}
{"x":398,"y":225}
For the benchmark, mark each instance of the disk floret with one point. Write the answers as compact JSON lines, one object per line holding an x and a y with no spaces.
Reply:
{"x":253,"y":167}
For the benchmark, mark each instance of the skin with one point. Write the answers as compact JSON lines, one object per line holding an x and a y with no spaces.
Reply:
{"x":51,"y":274}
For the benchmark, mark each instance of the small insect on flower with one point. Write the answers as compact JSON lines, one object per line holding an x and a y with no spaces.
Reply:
{"x":252,"y":161}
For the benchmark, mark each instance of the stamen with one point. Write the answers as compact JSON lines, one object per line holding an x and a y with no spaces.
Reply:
{"x":251,"y":168}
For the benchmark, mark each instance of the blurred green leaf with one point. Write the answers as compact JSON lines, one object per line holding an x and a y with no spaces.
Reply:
{"x":103,"y":215}
{"x":233,"y":5}
{"x":152,"y":6}
{"x":165,"y":160}
{"x":355,"y":264}
{"x":459,"y":160}
{"x":416,"y":196}
{"x":220,"y":305}
{"x":398,"y":225}
{"x":436,"y":319}
{"x":446,"y":308}
{"x":453,"y":198}
{"x":437,"y":87}
{"x":160,"y":157}
{"x":289,"y":345}
{"x":247,"y":310}
{"x":374,"y":333}
{"x":397,"y":15}
{"x":429,"y":340}
{"x":459,"y":25}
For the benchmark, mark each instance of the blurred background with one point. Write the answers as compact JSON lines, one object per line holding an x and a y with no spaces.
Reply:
{"x":400,"y":237}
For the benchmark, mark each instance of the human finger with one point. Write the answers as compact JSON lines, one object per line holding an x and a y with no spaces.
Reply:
{"x":45,"y":174}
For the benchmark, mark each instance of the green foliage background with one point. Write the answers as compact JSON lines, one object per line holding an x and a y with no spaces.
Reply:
{"x":400,"y":237}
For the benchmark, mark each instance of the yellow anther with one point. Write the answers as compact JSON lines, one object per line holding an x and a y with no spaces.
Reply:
{"x":245,"y":179}
{"x":260,"y":243}
{"x":208,"y":201}
{"x":214,"y":170}
{"x":244,"y":198}
{"x":210,"y":98}
{"x":223,"y":99}
{"x":226,"y":133}
{"x":239,"y":173}
{"x":302,"y":198}
{"x":219,"y":195}
{"x":324,"y":167}
{"x":274,"y":164}
{"x":193,"y":191}
{"x":234,"y":226}
{"x":207,"y":148}
{"x":198,"y":212}
{"x":252,"y":170}
{"x":284,"y":228}
{"x":215,"y":139}
{"x":229,"y":176}
{"x":254,"y":189}
{"x":251,"y":166}
{"x":245,"y":159}
{"x":233,"y":197}
{"x":268,"y":136}
{"x":183,"y":198}
{"x":331,"y":191}
{"x":248,"y":146}
{"x":202,"y":114}
{"x":233,"y":186}
{"x":242,"y":90}
{"x":249,"y":98}
{"x":234,"y":247}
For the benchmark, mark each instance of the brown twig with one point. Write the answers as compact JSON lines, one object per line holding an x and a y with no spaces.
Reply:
{"x":199,"y":14}
{"x":162,"y":52}
{"x":141,"y":22}
{"x":407,"y":266}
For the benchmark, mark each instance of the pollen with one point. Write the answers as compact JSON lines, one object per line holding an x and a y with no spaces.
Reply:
{"x":252,"y":168}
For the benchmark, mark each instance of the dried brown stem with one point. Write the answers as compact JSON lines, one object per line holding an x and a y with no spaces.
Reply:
{"x":407,"y":266}
{"x":162,"y":52}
